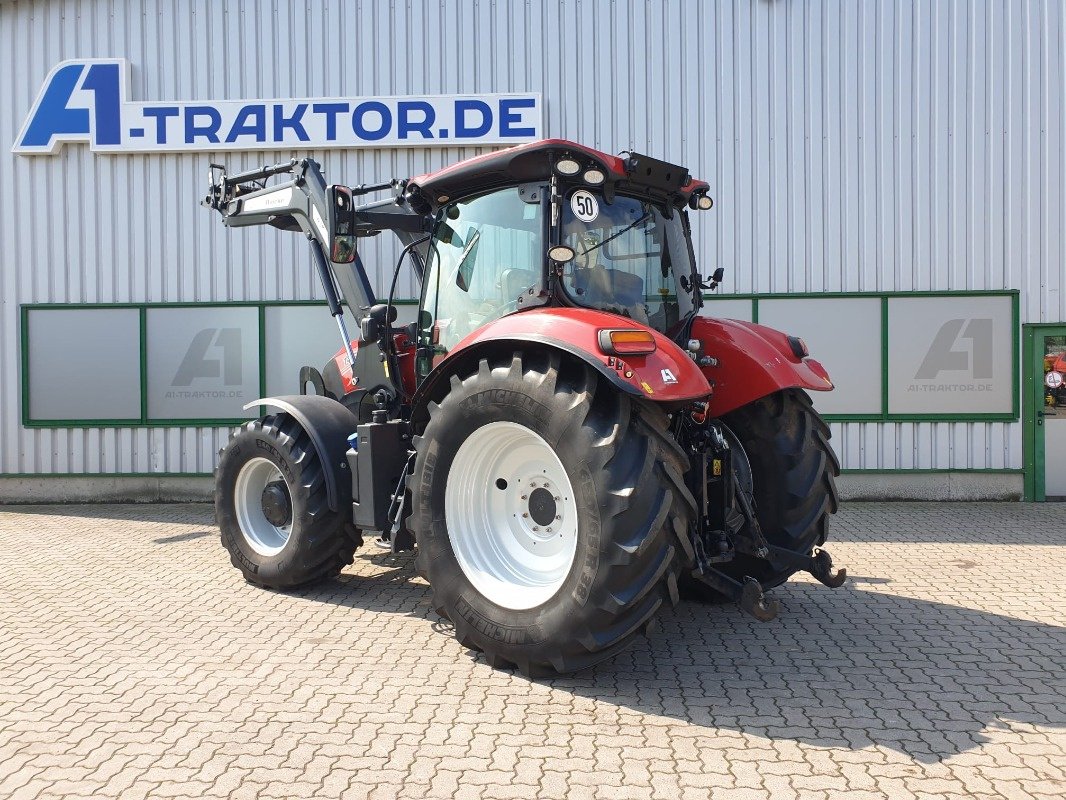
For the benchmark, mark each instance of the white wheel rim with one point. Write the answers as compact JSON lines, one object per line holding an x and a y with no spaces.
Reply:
{"x":513,"y":544}
{"x":262,"y":536}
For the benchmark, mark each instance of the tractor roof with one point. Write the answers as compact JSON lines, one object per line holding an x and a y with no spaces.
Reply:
{"x":536,"y":160}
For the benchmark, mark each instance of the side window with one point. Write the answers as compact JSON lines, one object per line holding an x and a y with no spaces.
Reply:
{"x":486,"y":252}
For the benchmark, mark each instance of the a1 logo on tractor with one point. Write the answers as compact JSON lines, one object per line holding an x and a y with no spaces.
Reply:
{"x":566,"y":442}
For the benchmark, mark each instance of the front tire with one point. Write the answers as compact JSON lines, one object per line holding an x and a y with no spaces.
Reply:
{"x":543,"y":436}
{"x":271,"y":507}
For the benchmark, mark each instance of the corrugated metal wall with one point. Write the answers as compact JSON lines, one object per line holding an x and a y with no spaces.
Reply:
{"x":852,"y":146}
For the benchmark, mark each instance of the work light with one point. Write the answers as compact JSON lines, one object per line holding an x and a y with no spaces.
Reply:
{"x":594,"y":176}
{"x":567,"y":166}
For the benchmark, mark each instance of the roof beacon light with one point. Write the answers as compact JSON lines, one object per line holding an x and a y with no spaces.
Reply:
{"x":567,"y":166}
{"x":626,"y":342}
{"x":594,"y":176}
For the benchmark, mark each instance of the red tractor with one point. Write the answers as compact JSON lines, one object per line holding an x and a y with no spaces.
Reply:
{"x":564,"y":439}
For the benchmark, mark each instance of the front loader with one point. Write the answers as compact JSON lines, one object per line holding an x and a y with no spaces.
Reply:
{"x":567,"y":443}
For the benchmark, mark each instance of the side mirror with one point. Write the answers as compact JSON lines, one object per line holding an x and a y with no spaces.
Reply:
{"x":376,"y":323}
{"x":341,"y":224}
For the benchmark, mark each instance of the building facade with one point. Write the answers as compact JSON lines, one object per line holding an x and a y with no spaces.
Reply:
{"x":889,"y":178}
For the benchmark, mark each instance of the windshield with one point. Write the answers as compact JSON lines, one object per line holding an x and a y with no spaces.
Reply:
{"x":628,"y":258}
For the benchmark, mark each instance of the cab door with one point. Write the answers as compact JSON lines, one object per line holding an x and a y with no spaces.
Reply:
{"x":485,"y":260}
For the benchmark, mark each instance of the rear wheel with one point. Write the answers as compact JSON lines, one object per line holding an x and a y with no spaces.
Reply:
{"x":546,"y":511}
{"x":787,"y":466}
{"x":271,"y":507}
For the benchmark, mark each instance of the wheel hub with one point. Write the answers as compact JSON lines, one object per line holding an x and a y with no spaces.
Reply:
{"x":542,"y":506}
{"x":263,"y":506}
{"x":277,"y":506}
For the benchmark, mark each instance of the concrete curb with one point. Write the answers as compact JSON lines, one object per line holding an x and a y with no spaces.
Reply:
{"x":96,"y":489}
{"x":944,"y":486}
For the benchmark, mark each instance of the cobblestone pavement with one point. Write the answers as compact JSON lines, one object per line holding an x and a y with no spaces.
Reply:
{"x":135,"y":662}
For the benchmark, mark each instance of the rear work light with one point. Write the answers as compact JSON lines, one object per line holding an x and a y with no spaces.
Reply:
{"x":626,"y":342}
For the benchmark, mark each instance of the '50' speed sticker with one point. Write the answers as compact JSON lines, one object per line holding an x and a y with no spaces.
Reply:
{"x":583,"y":204}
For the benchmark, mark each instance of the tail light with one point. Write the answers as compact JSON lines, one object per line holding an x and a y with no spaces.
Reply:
{"x":626,"y":342}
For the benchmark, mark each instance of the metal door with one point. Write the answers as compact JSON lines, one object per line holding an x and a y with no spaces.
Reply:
{"x":1051,"y":418}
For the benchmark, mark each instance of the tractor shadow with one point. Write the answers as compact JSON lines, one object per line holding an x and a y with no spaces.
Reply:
{"x":852,"y":668}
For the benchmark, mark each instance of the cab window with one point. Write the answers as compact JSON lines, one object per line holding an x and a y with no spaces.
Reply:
{"x":628,"y":258}
{"x":485,"y":260}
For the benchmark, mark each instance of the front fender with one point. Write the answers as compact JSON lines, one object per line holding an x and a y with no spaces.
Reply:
{"x":667,"y":375}
{"x":753,"y":361}
{"x":328,"y":423}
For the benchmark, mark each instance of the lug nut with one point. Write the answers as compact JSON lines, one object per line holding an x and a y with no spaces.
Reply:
{"x":523,"y":497}
{"x":536,"y":528}
{"x":524,"y":516}
{"x":557,"y":498}
{"x":558,"y":516}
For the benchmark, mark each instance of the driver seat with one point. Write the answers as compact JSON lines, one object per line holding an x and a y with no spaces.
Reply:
{"x":610,"y":288}
{"x":515,"y":282}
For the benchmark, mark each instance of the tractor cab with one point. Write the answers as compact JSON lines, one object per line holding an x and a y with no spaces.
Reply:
{"x":554,"y":223}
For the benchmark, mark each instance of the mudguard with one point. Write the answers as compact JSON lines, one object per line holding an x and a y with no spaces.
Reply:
{"x":752,"y":361}
{"x":329,"y":424}
{"x":667,"y":375}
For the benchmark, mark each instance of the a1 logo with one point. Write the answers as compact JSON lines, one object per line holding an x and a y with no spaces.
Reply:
{"x":81,"y":102}
{"x":943,"y":357}
{"x":196,"y":363}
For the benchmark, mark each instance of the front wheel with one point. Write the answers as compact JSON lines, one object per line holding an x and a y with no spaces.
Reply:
{"x":546,"y":509}
{"x":786,"y":464}
{"x":271,"y":507}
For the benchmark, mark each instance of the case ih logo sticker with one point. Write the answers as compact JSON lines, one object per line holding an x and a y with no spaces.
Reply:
{"x":89,"y":101}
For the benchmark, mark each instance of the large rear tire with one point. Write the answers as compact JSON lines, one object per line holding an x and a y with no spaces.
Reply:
{"x":791,"y":476}
{"x":271,"y":507}
{"x":547,"y":509}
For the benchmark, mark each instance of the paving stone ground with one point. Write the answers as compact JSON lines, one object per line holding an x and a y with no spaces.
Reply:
{"x":135,"y":662}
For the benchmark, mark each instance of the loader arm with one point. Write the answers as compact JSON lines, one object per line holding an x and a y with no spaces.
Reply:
{"x":326,"y":215}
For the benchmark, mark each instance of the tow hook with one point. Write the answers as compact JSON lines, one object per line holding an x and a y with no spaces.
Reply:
{"x":822,"y":570}
{"x":820,"y":565}
{"x":748,"y":595}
